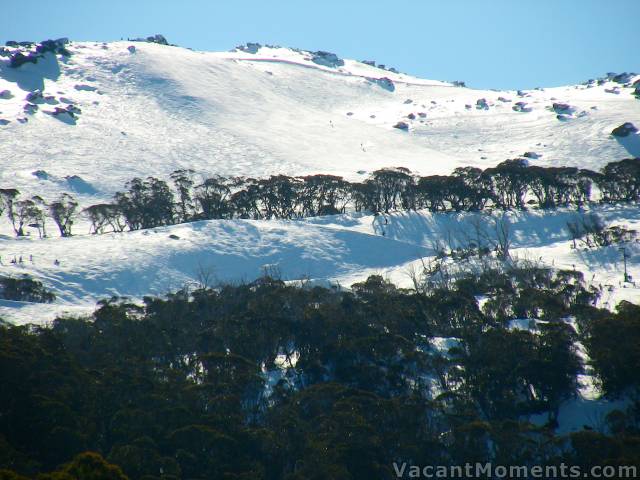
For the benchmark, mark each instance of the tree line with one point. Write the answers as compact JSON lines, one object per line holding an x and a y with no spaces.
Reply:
{"x":269,"y":380}
{"x":152,"y":202}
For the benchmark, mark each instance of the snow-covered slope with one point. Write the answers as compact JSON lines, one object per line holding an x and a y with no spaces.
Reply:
{"x":151,"y":109}
{"x":147,"y":109}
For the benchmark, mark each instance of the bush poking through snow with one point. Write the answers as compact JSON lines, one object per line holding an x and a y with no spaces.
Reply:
{"x":24,"y":290}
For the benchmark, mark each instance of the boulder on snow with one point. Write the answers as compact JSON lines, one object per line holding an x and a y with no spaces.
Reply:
{"x":563,"y":117}
{"x":624,"y":130}
{"x":481,"y":104}
{"x":531,"y":155}
{"x":80,"y":185}
{"x":5,"y":95}
{"x":41,"y":174}
{"x":30,"y":108}
{"x":250,"y":47}
{"x":521,"y":107}
{"x":383,"y":82}
{"x":562,"y":108}
{"x":85,"y":88}
{"x":35,"y":96}
{"x":326,"y":59}
{"x":504,"y":100}
{"x":131,"y":48}
{"x":411,"y":116}
{"x":408,"y":101}
{"x":157,"y":38}
{"x":621,"y":77}
{"x":68,"y":114}
{"x":614,"y":90}
{"x":4,"y":121}
{"x":402,"y":126}
{"x":54,"y":46}
{"x":18,"y":59}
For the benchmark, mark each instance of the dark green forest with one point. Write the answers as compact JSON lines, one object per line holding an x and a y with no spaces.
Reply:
{"x":271,"y":380}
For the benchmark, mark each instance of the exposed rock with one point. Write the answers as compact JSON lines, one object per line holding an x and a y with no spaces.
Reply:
{"x":54,"y":46}
{"x":383,"y":82}
{"x":624,"y":130}
{"x":80,"y":185}
{"x":563,"y":117}
{"x":131,"y":48}
{"x":18,"y":59}
{"x":481,"y":104}
{"x":503,"y":99}
{"x":73,"y":109}
{"x":371,"y":63}
{"x":401,"y":126}
{"x":35,"y":97}
{"x":40,"y":175}
{"x":532,"y":155}
{"x":411,"y":116}
{"x":562,"y":108}
{"x":614,"y":90}
{"x":173,"y":236}
{"x":408,"y":101}
{"x":5,"y":95}
{"x":250,"y":47}
{"x":422,"y":114}
{"x":85,"y":88}
{"x":157,"y":38}
{"x":521,"y":107}
{"x":327,"y":59}
{"x":69,"y":114}
{"x":621,"y":77}
{"x":4,"y":122}
{"x":30,"y":108}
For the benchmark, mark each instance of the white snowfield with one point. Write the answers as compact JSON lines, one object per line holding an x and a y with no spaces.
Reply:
{"x":148,"y":109}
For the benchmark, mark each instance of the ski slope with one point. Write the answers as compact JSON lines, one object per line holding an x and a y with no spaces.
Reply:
{"x":148,"y":109}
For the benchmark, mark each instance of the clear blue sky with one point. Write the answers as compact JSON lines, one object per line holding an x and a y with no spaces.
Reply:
{"x":488,"y":44}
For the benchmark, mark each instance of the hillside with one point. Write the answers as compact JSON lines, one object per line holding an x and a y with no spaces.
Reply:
{"x":134,"y":109}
